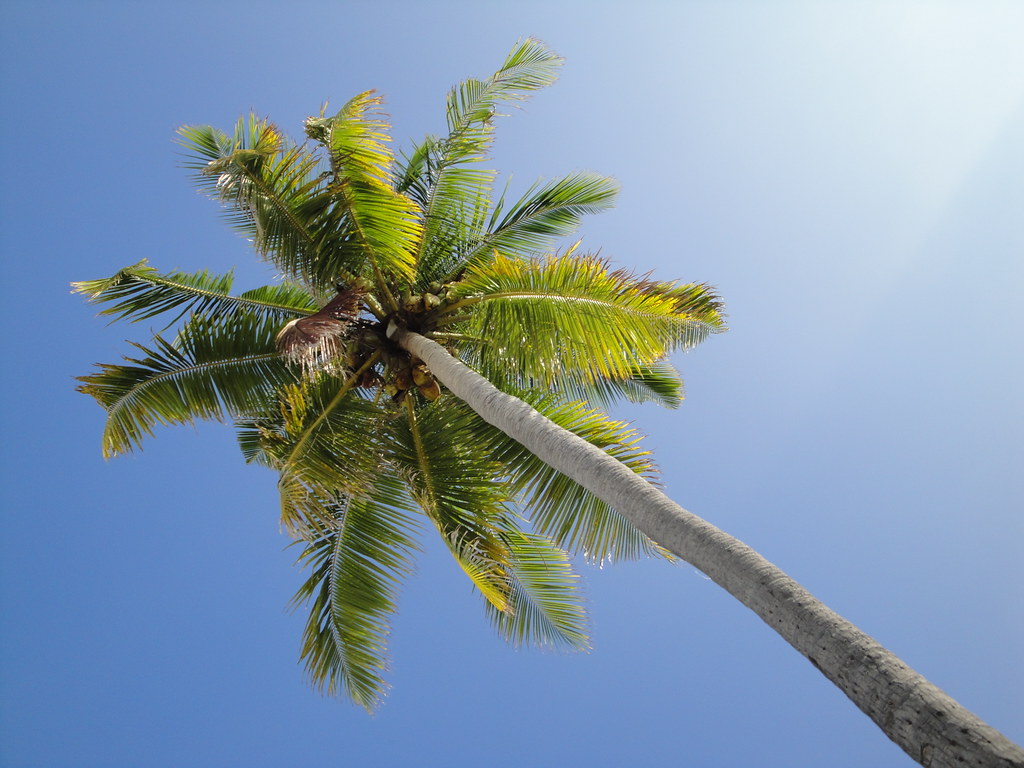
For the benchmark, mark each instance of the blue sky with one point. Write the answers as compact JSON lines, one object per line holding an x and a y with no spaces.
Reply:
{"x":851,"y":178}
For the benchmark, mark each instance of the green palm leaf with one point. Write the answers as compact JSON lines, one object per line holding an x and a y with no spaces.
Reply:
{"x":455,"y":215}
{"x":139,"y":292}
{"x":212,"y":370}
{"x":545,"y":607}
{"x":317,"y":434}
{"x":442,"y":175}
{"x":530,"y":590}
{"x":657,"y":382}
{"x":457,"y":488}
{"x":379,"y":221}
{"x":357,"y":566}
{"x":529,"y":66}
{"x":545,"y":212}
{"x":571,"y":316}
{"x":276,"y":194}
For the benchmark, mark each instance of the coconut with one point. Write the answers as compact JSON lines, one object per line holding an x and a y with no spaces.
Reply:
{"x":430,"y":389}
{"x":403,"y":379}
{"x":421,"y":375}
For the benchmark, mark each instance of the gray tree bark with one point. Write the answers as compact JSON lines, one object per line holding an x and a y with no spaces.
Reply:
{"x":923,"y":720}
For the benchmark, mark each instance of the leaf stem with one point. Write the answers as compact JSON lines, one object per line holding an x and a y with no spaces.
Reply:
{"x":346,"y":387}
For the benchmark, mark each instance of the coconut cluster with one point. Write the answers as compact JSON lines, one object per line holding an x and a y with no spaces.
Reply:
{"x":340,"y":337}
{"x":418,"y":312}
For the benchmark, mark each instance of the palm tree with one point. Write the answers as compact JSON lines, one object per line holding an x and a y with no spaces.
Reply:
{"x":419,"y":359}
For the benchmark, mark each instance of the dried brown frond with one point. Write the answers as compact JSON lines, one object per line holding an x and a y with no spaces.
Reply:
{"x":318,"y":339}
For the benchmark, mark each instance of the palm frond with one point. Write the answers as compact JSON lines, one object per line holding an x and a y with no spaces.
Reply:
{"x":139,"y":292}
{"x":455,"y":218}
{"x":545,"y":607}
{"x":317,"y":433}
{"x":212,"y":370}
{"x":698,"y":302}
{"x":657,"y":382}
{"x":380,"y":221}
{"x":458,"y":488}
{"x":442,"y":175}
{"x":572,"y":316}
{"x":276,"y":194}
{"x":317,"y":340}
{"x":414,"y":170}
{"x":530,"y":590}
{"x":452,"y":194}
{"x":357,"y":565}
{"x":529,"y":66}
{"x":545,"y":212}
{"x":560,"y":508}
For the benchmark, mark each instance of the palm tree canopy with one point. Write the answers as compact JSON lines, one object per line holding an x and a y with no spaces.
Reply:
{"x":366,"y":443}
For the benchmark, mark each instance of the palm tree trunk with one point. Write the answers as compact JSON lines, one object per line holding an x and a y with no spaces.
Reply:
{"x":923,"y":720}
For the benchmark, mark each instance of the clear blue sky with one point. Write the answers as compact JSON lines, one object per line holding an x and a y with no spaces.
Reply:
{"x":850,"y":176}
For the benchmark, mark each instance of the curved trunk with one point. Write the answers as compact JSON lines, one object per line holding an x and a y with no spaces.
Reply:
{"x":924,"y":721}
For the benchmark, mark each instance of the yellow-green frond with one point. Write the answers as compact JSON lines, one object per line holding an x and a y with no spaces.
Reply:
{"x":458,"y":488}
{"x":443,"y":175}
{"x":277,"y":195}
{"x":529,"y":66}
{"x":316,"y":433}
{"x":557,"y":506}
{"x":212,"y":370}
{"x":357,"y":565}
{"x":571,"y":315}
{"x":545,"y":604}
{"x":382,"y":222}
{"x":657,"y":382}
{"x":546,"y":211}
{"x":139,"y":292}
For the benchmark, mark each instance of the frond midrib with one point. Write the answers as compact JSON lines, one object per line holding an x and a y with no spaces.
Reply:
{"x":280,"y":204}
{"x":332,"y":576}
{"x":136,"y":389}
{"x":421,"y":457}
{"x":484,"y":243}
{"x":307,"y":433}
{"x":206,"y":293}
{"x":554,"y":297}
